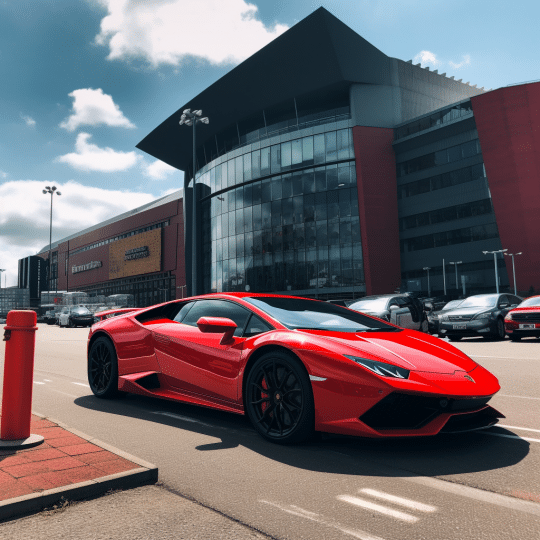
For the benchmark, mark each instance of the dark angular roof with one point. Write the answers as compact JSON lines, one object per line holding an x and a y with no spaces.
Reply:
{"x":320,"y":52}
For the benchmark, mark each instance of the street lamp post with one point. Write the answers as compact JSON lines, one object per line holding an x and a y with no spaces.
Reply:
{"x":428,"y":268}
{"x":1,"y":270}
{"x":495,"y":260}
{"x":455,"y":266}
{"x":190,"y":118}
{"x":444,"y":277}
{"x":514,"y":268}
{"x":52,"y":191}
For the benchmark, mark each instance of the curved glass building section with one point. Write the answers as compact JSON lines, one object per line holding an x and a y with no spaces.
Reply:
{"x":281,"y":215}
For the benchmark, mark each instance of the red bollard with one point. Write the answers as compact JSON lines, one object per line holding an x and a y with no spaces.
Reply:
{"x":20,"y":338}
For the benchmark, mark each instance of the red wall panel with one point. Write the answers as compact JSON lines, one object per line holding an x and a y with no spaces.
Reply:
{"x":508,"y":123}
{"x":378,"y":208}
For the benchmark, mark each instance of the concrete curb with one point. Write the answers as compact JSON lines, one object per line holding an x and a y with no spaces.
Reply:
{"x":146,"y":473}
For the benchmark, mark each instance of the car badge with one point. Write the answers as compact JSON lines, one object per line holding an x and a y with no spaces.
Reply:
{"x":469,"y":378}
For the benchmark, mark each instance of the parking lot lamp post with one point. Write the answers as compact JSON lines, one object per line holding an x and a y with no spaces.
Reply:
{"x":192,"y":118}
{"x":52,"y":191}
{"x":444,"y":277}
{"x":514,"y":268}
{"x":455,"y":266}
{"x":427,"y":268}
{"x":1,"y":270}
{"x":495,"y":260}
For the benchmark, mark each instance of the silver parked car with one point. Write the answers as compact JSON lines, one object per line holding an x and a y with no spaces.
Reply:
{"x":399,"y":309}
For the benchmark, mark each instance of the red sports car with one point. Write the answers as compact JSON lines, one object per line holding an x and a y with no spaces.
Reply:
{"x":524,"y":321}
{"x":293,"y":365}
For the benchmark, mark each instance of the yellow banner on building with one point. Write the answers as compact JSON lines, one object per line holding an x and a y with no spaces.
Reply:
{"x":134,"y":255}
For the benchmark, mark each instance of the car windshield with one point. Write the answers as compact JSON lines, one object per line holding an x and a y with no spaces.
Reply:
{"x":534,"y":301}
{"x":374,"y":304}
{"x":488,"y":300}
{"x":295,"y":313}
{"x":80,"y":311}
{"x":452,"y":304}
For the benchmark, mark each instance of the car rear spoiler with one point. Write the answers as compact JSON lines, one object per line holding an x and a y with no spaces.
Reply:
{"x":113,"y":313}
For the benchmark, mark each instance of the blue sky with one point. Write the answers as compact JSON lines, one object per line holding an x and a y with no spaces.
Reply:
{"x":83,"y":81}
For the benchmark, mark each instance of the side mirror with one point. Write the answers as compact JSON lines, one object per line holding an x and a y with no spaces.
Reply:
{"x":217,"y":325}
{"x":504,"y":305}
{"x":393,"y":308}
{"x":428,"y":307}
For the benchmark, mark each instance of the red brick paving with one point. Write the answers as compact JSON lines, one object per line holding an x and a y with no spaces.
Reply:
{"x":63,"y":459}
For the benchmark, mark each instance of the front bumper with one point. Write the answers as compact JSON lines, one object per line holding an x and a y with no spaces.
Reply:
{"x":513,"y":328}
{"x":467,"y":328}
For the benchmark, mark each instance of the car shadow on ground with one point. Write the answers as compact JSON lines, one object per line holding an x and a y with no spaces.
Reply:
{"x":427,"y":456}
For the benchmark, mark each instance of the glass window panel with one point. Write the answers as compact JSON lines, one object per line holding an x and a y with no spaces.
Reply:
{"x":266,"y":215}
{"x":266,"y":191}
{"x":213,"y":180}
{"x":286,"y":186}
{"x":320,"y":206}
{"x":454,"y":153}
{"x":308,"y":179}
{"x":299,"y":236}
{"x":232,"y":223}
{"x":247,"y":167}
{"x":225,"y":276}
{"x":239,"y":195}
{"x":248,"y":197}
{"x":276,"y":188}
{"x":230,"y":172}
{"x":276,"y":213}
{"x":240,"y":245}
{"x":310,"y":235}
{"x":309,"y":208}
{"x":256,"y":193}
{"x":285,"y":156}
{"x":277,"y":244}
{"x":318,"y":149}
{"x":343,"y":175}
{"x":231,"y":196}
{"x":333,"y":233}
{"x":257,"y":242}
{"x":218,"y":177}
{"x":232,"y":274}
{"x":297,"y":152}
{"x":287,"y":211}
{"x":332,"y":177}
{"x":307,"y":151}
{"x":298,"y":209}
{"x":440,"y":158}
{"x":265,"y":161}
{"x":344,"y":202}
{"x":248,"y":244}
{"x":343,"y":144}
{"x":468,"y":149}
{"x":288,"y":238}
{"x":232,"y":247}
{"x":275,"y":160}
{"x":216,"y":226}
{"x":257,"y":217}
{"x":355,"y":230}
{"x":320,"y":179}
{"x":267,"y":241}
{"x":322,"y":233}
{"x":224,"y":225}
{"x":256,"y":163}
{"x":240,"y":221}
{"x":297,"y":183}
{"x":248,"y":219}
{"x":239,"y":170}
{"x":330,"y":141}
{"x":345,"y":233}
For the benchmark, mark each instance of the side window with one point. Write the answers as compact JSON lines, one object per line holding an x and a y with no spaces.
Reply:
{"x":503,"y":300}
{"x":256,"y":326}
{"x":515,"y":300}
{"x":218,"y":308}
{"x":401,"y":302}
{"x":183,"y":311}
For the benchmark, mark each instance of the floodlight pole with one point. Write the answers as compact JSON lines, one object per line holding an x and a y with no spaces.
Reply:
{"x":455,"y":266}
{"x":495,"y":260}
{"x":52,"y":191}
{"x":514,"y":268}
{"x":428,"y":268}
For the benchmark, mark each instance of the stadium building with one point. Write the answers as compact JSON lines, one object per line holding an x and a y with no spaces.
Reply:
{"x":330,"y":170}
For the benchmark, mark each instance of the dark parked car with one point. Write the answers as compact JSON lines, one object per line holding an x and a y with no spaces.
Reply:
{"x":524,"y":321}
{"x":478,"y":315}
{"x":433,"y":316}
{"x":399,"y":309}
{"x":76,"y":316}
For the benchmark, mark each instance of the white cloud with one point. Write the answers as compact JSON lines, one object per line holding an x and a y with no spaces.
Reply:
{"x":165,"y":31}
{"x":24,"y":216}
{"x":93,"y":108}
{"x":427,"y":58}
{"x":89,"y":157}
{"x":29,"y":121}
{"x":157,"y":170}
{"x":465,"y":62}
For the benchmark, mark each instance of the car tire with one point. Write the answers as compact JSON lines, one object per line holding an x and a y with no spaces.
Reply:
{"x":103,"y":369}
{"x":286,"y":413}
{"x":455,"y":338}
{"x":515,"y":338}
{"x":424,"y":327}
{"x":500,"y":332}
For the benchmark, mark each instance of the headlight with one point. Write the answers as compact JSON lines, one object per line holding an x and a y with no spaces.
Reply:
{"x":483,"y":316}
{"x":381,"y":368}
{"x":444,"y":317}
{"x":432,"y":316}
{"x":508,"y":317}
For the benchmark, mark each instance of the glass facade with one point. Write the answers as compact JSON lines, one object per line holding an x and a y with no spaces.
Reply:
{"x":283,"y":218}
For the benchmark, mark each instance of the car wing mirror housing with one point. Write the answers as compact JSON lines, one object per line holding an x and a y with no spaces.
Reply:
{"x":217,"y":325}
{"x":393,"y":308}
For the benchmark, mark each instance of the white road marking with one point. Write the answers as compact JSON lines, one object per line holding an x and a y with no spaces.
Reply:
{"x":37,"y":382}
{"x":312,"y":516}
{"x":184,"y":418}
{"x":510,"y":436}
{"x":413,"y":505}
{"x":377,"y":508}
{"x":520,"y":397}
{"x":81,"y":384}
{"x":516,"y":427}
{"x":47,"y":380}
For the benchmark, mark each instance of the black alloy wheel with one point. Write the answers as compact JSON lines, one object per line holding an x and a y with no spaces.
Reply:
{"x":103,"y":369}
{"x":279,"y":399}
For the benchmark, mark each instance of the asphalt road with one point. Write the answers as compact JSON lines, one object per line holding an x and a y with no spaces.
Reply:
{"x":467,"y":486}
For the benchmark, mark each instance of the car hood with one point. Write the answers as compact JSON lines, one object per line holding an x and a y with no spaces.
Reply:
{"x":468,"y":310}
{"x":409,"y":349}
{"x":525,"y":309}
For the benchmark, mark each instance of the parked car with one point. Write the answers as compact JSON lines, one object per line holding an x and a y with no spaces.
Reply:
{"x":75,"y":316}
{"x":478,"y":315}
{"x":399,"y":309}
{"x":524,"y":320}
{"x":293,"y":366}
{"x":433,"y":316}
